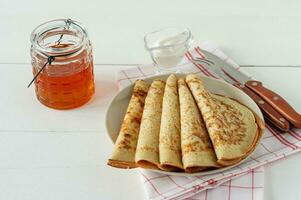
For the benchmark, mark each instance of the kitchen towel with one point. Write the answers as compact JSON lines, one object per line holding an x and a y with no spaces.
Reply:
{"x":245,"y":180}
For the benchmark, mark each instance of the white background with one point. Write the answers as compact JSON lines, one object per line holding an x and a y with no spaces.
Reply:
{"x":257,"y":31}
{"x":48,"y":154}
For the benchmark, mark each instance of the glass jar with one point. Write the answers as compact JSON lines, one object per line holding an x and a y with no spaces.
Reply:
{"x":62,"y":51}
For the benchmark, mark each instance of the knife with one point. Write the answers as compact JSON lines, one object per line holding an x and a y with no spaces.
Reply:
{"x":275,"y":107}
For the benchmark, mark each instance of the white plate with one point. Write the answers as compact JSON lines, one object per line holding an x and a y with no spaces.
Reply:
{"x":118,"y":106}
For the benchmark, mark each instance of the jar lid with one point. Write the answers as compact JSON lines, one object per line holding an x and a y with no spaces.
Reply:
{"x":60,"y":36}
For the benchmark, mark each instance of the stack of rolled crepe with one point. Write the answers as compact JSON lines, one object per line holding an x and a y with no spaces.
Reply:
{"x":159,"y":143}
{"x":184,"y":128}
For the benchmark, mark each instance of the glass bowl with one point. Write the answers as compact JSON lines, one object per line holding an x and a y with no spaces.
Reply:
{"x":167,"y":47}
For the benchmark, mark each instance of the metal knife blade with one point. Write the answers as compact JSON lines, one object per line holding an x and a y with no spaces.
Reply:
{"x":230,"y":74}
{"x":220,"y":65}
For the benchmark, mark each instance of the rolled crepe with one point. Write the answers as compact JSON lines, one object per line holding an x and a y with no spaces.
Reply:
{"x":147,"y":152}
{"x":170,"y":139}
{"x":125,"y":146}
{"x":197,"y":151}
{"x":231,"y":126}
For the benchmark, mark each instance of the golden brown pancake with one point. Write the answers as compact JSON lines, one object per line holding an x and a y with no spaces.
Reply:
{"x":125,"y":146}
{"x":197,"y":151}
{"x":170,"y":139}
{"x":231,"y":126}
{"x":147,"y":152}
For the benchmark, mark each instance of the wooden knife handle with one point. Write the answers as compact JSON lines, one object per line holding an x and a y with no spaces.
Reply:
{"x":269,"y":112}
{"x":276,"y":101}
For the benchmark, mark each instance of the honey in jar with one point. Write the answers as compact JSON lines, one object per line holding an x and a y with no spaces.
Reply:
{"x":67,"y":80}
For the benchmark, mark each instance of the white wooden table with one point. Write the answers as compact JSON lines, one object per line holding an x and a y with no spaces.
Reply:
{"x":49,"y":154}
